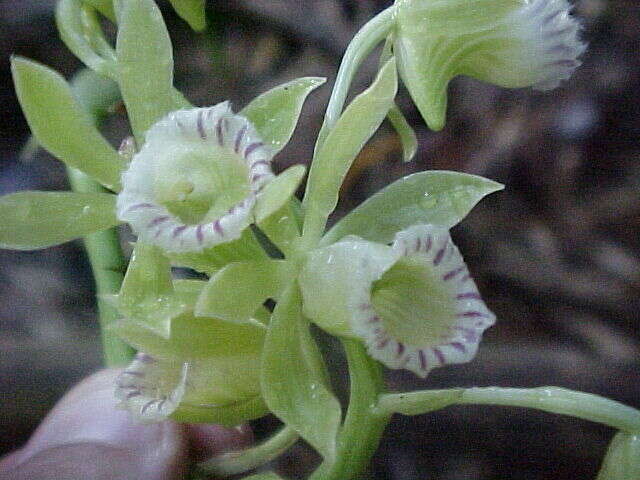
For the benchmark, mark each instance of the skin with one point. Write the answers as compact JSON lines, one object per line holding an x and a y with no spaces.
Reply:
{"x":87,"y":436}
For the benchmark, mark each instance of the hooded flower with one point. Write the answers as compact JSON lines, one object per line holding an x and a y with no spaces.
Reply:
{"x":195,"y":182}
{"x":511,"y":43}
{"x":413,"y":304}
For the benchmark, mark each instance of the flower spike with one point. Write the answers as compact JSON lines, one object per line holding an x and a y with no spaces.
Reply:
{"x":195,"y":182}
{"x":414,"y":304}
{"x":511,"y":43}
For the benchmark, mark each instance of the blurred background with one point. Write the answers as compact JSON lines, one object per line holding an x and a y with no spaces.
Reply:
{"x":556,"y":255}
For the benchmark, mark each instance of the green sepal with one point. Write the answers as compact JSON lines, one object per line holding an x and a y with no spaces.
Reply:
{"x":294,"y":377}
{"x":33,"y":220}
{"x":209,"y":261}
{"x":147,"y":295}
{"x":239,"y":289}
{"x":275,"y":113}
{"x":96,"y":94}
{"x":408,"y":138}
{"x":145,"y":65}
{"x":282,"y":228}
{"x":355,"y":126}
{"x":192,"y":12}
{"x":435,"y":197}
{"x":105,"y":7}
{"x":622,"y":461}
{"x":81,"y":33}
{"x":61,"y":125}
{"x":278,"y":192}
{"x":227,"y":415}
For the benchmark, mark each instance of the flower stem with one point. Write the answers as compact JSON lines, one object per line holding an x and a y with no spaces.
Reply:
{"x":363,"y":427}
{"x":372,"y":33}
{"x":108,"y":265}
{"x":243,"y":461}
{"x":562,"y":401}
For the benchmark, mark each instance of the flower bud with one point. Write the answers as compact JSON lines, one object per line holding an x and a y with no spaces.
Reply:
{"x":413,"y":304}
{"x":511,"y":43}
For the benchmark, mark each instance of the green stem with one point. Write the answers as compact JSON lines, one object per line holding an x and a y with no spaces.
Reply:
{"x":239,"y":462}
{"x":372,"y":33}
{"x":363,"y":426}
{"x":549,"y":399}
{"x":108,"y":265}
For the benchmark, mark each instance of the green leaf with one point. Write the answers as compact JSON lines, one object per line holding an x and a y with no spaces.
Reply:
{"x":407,"y":136}
{"x":82,"y":34}
{"x":105,"y":7}
{"x":354,"y":128}
{"x":61,"y":125}
{"x":239,"y":289}
{"x":145,"y":65}
{"x":293,"y":377}
{"x":209,"y":261}
{"x":435,"y":197}
{"x":41,"y":219}
{"x":275,"y":113}
{"x":192,"y":12}
{"x":278,"y":192}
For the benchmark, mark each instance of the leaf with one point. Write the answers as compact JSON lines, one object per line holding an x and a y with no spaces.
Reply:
{"x":61,"y":125}
{"x":436,"y":197}
{"x":407,"y":136}
{"x":145,"y":65}
{"x":275,"y":113}
{"x":41,"y":219}
{"x":278,"y":192}
{"x":191,"y":11}
{"x":293,"y":374}
{"x":354,"y":128}
{"x":239,"y":289}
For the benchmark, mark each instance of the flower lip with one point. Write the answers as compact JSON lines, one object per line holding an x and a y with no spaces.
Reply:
{"x":200,"y":154}
{"x":404,"y":329}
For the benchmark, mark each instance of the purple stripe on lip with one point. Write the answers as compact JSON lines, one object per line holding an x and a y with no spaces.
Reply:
{"x":158,"y":220}
{"x":459,"y":346}
{"x":449,"y":275}
{"x":428,"y":244}
{"x":219,"y":132}
{"x":138,"y":206}
{"x":438,"y":353}
{"x":239,"y":136}
{"x":400,"y":349}
{"x":260,"y":163}
{"x":200,"y":126}
{"x":472,"y":295}
{"x":218,"y":228}
{"x":199,"y":234}
{"x":178,"y":230}
{"x":438,"y":258}
{"x":423,"y":359}
{"x":251,"y":148}
{"x":471,"y":314}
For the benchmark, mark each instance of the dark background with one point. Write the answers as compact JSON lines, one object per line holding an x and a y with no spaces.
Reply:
{"x":556,"y":254}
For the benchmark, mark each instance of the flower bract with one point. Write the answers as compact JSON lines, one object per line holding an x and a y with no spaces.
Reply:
{"x":413,"y":303}
{"x":511,"y":43}
{"x":196,"y":180}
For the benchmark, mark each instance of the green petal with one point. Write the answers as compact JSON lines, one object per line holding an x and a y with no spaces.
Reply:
{"x":354,"y":128}
{"x":42,"y":219}
{"x":436,"y":197}
{"x":191,"y":11}
{"x":293,"y":378}
{"x":105,"y":7}
{"x":407,"y":136}
{"x":81,"y":33}
{"x":239,"y":289}
{"x":278,"y":192}
{"x":275,"y":113}
{"x":61,"y":125}
{"x":622,"y":461}
{"x":145,"y":65}
{"x":229,"y":415}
